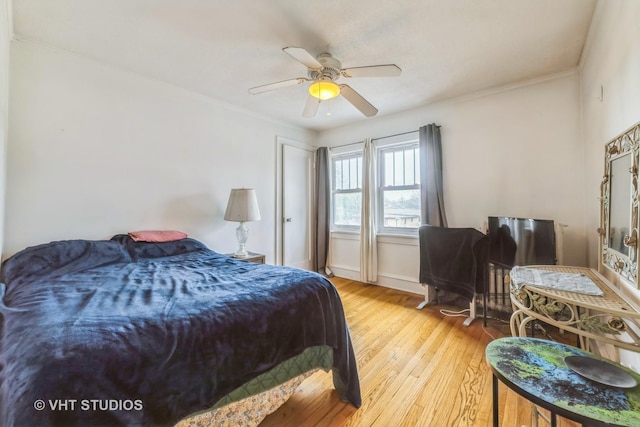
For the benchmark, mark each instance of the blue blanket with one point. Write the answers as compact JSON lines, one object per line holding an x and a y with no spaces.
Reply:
{"x":128,"y":333}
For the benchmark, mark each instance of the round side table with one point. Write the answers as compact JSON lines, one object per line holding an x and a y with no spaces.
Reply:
{"x":535,"y":369}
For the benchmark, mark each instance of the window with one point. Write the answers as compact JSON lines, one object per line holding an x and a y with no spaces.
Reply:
{"x":399,"y":191}
{"x":398,"y":186}
{"x":347,"y":191}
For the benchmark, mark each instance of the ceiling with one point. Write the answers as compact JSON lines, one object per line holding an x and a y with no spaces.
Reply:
{"x":445,"y":48}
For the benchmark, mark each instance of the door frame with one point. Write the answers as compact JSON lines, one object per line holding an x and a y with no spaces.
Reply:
{"x":279,"y":214}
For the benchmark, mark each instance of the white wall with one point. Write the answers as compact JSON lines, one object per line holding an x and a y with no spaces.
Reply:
{"x":611,"y":68}
{"x":94,"y":151}
{"x":5,"y":37}
{"x":515,"y":152}
{"x":610,"y":86}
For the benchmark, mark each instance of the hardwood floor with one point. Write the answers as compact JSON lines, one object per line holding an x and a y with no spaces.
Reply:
{"x":417,"y":368}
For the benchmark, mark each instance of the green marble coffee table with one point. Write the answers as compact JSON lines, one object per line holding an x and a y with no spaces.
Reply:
{"x":535,"y":369}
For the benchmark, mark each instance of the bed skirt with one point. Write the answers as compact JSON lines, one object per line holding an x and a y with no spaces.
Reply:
{"x":249,"y":404}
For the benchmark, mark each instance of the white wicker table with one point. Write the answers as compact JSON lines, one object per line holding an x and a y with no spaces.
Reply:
{"x":611,"y":318}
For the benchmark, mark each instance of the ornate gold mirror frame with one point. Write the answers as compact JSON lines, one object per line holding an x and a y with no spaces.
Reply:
{"x":619,"y":196}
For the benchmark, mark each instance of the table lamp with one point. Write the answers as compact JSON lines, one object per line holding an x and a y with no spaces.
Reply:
{"x":242,"y":207}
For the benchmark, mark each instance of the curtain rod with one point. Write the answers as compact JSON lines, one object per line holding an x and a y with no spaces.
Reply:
{"x":346,"y":145}
{"x":360,"y":142}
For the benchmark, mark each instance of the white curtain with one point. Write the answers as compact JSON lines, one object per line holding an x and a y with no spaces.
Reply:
{"x":368,"y":241}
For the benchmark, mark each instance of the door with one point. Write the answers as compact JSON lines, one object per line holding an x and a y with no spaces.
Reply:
{"x":297,"y":206}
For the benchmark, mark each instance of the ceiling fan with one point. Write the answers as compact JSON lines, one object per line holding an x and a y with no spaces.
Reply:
{"x":323,"y":70}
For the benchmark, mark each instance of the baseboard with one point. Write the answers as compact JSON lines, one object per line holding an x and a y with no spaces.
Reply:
{"x":400,"y":284}
{"x":387,"y":280}
{"x":345,"y":273}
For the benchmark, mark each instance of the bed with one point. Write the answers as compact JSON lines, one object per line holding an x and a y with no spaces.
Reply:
{"x":119,"y":332}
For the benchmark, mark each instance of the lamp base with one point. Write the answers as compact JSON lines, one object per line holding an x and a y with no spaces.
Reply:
{"x":242,"y":233}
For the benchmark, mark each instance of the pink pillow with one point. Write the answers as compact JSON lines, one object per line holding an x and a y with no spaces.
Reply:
{"x":157,"y":235}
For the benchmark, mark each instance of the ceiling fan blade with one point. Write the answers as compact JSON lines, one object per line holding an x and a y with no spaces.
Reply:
{"x":311,"y":108}
{"x":301,"y":55}
{"x":271,"y":86}
{"x":389,"y":70}
{"x":358,"y":101}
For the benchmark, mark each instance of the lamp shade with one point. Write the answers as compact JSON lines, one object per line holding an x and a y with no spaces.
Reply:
{"x":242,"y":206}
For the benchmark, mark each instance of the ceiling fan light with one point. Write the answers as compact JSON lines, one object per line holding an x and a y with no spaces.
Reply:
{"x":324,"y":90}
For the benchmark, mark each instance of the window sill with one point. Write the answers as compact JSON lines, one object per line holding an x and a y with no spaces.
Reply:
{"x":398,"y":239}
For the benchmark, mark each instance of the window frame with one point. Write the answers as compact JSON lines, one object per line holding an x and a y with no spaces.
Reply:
{"x":334,"y":159}
{"x":400,"y":142}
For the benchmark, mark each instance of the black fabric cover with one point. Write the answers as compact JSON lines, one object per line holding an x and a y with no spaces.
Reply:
{"x":502,"y":247}
{"x":453,"y":259}
{"x":173,"y":326}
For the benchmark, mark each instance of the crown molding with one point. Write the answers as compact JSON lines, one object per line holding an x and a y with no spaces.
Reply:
{"x":504,"y":88}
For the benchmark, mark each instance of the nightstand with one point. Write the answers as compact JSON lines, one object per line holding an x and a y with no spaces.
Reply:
{"x":253,"y":257}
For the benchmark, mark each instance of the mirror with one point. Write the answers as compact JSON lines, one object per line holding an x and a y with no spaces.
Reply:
{"x":619,"y":203}
{"x":619,"y":209}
